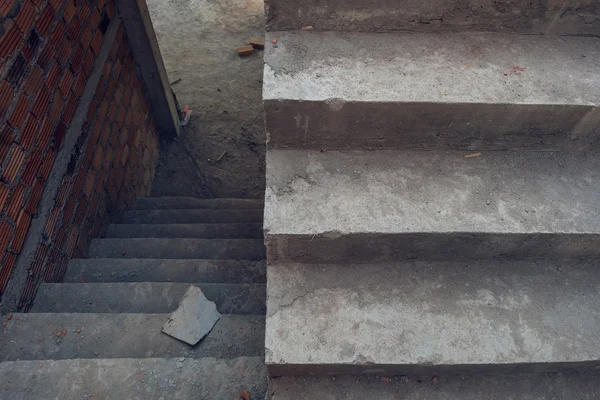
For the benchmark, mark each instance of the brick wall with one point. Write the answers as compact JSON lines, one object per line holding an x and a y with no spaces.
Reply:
{"x":47,"y":52}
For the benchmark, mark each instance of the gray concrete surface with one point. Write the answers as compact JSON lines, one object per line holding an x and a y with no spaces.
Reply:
{"x":34,"y":337}
{"x":197,"y":39}
{"x":385,"y":205}
{"x":150,"y":378}
{"x":224,"y":249}
{"x":178,"y":203}
{"x":200,"y":231}
{"x":190,"y":216}
{"x":332,"y":90}
{"x":156,"y":270}
{"x":145,"y":297}
{"x":567,"y":17}
{"x":550,"y":386}
{"x":433,"y":318}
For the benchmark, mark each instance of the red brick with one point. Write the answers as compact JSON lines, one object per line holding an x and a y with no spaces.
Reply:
{"x":66,"y":82}
{"x":23,"y":222}
{"x":89,"y":183}
{"x":86,"y":37}
{"x":58,"y":33}
{"x":105,"y":134}
{"x":69,"y":110}
{"x":83,"y":13}
{"x":14,"y":164}
{"x":26,"y":16}
{"x":69,"y":10}
{"x":6,"y":232}
{"x":28,"y":132}
{"x":108,"y":159}
{"x":112,"y":112}
{"x":11,"y":39}
{"x":98,"y":158}
{"x":34,"y":197}
{"x":34,"y":81}
{"x":74,"y":30}
{"x":77,"y":59}
{"x":96,"y":42}
{"x":47,"y":164}
{"x":45,"y":135}
{"x":55,"y":109}
{"x":6,"y":96}
{"x":4,"y":192}
{"x":31,"y":168}
{"x":5,"y":7}
{"x":64,"y":53}
{"x":41,"y":103}
{"x":94,"y":18}
{"x":111,"y":9}
{"x":59,"y":135}
{"x":121,"y":116}
{"x":102,"y":110}
{"x":51,"y":222}
{"x":78,"y":182}
{"x":55,"y":4}
{"x":44,"y":21}
{"x":62,"y":194}
{"x":52,"y":77}
{"x":92,"y":109}
{"x":71,"y":241}
{"x":15,"y":202}
{"x":20,"y":112}
{"x":59,"y":240}
{"x":46,"y":56}
{"x":5,"y":270}
{"x":79,"y":85}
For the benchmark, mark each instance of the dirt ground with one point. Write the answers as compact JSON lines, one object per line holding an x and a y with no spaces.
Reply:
{"x":198,"y":39}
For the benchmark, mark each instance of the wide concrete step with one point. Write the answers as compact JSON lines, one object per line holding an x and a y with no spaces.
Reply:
{"x":433,"y":318}
{"x":205,"y":231}
{"x":477,"y":91}
{"x":383,"y":205}
{"x":234,"y":249}
{"x":583,"y":385}
{"x":180,"y":203}
{"x":145,"y":297}
{"x":134,"y":379}
{"x":192,"y":216}
{"x":156,"y":270}
{"x":34,"y":336}
{"x":573,"y":17}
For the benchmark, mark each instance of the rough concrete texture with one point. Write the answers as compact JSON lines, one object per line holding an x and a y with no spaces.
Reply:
{"x":556,"y":386}
{"x":568,"y":17}
{"x":35,"y":337}
{"x":190,"y":216}
{"x":145,"y":297}
{"x":153,"y":270}
{"x":232,"y":249}
{"x":200,"y":231}
{"x":432,"y":318}
{"x":197,"y":40}
{"x":151,"y":378}
{"x":175,"y":203}
{"x":386,"y":205}
{"x":331,"y":90}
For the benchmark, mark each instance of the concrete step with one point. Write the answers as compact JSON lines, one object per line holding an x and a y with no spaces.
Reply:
{"x":574,"y":17}
{"x":34,"y":337}
{"x":151,"y":270}
{"x":206,"y":231}
{"x":145,"y":297}
{"x":180,"y":203}
{"x":478,"y":91}
{"x":542,"y":386}
{"x":233,"y":249}
{"x":134,"y":379}
{"x":369,"y":206}
{"x":196,"y":216}
{"x":433,"y":318}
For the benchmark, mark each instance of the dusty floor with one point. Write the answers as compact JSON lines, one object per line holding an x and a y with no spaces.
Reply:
{"x":198,"y":39}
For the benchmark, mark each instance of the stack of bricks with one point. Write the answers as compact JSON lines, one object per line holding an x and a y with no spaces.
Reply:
{"x":47,"y":51}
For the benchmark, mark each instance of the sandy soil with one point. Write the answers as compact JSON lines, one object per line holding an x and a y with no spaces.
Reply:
{"x":198,"y":39}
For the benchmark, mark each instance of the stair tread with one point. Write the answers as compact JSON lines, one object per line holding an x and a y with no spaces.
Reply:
{"x":433,"y":317}
{"x":201,"y":231}
{"x":172,"y":203}
{"x":181,"y":248}
{"x":353,"y":194}
{"x":191,"y":216}
{"x":124,"y":378}
{"x":32,"y":336}
{"x":145,"y":297}
{"x":159,"y":270}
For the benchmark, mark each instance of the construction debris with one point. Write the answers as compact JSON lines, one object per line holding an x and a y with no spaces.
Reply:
{"x":245,"y":395}
{"x":194,"y":318}
{"x":472,"y":155}
{"x":245,"y":50}
{"x":257,"y":43}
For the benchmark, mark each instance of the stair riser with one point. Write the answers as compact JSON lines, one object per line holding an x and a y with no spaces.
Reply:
{"x":455,"y":246}
{"x":204,"y":231}
{"x":191,"y":216}
{"x":182,"y":203}
{"x":445,"y":16}
{"x":362,"y":125}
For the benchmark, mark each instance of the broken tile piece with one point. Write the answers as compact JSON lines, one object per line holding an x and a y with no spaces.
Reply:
{"x":193,"y":319}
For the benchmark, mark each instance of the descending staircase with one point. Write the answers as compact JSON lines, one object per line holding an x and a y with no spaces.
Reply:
{"x":433,"y":200}
{"x":98,"y":334}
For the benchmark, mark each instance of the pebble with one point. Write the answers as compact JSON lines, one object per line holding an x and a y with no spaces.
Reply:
{"x":488,"y":202}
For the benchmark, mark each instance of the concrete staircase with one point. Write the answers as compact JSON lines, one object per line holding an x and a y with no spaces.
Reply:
{"x":98,"y":333}
{"x":432,"y":204}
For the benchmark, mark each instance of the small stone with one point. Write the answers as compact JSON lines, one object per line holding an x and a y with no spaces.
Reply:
{"x":245,"y":51}
{"x":404,"y":379}
{"x":245,"y":395}
{"x":96,"y":354}
{"x":385,"y":379}
{"x":488,"y":202}
{"x":9,"y":317}
{"x":274,"y":41}
{"x":435,"y":380}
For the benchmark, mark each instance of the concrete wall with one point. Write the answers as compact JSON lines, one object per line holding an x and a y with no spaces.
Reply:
{"x":78,"y":141}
